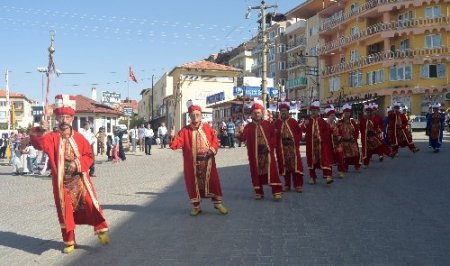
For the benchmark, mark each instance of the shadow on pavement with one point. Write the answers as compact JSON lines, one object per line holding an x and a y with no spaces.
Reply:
{"x":31,"y":244}
{"x":394,"y":213}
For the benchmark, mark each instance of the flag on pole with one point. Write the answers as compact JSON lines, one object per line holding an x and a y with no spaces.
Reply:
{"x":131,"y":75}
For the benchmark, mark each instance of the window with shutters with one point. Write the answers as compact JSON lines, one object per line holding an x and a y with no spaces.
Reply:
{"x":400,"y":73}
{"x":433,"y":41}
{"x":433,"y":71}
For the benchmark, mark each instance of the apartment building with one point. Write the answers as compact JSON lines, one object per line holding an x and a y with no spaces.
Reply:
{"x":22,"y":117}
{"x":276,"y":57}
{"x":384,"y":51}
{"x":304,"y":82}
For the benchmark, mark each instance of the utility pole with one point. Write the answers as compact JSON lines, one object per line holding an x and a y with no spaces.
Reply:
{"x":262,"y":9}
{"x":153,"y":118}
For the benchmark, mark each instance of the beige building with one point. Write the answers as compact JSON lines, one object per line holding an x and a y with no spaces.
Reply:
{"x":22,"y":110}
{"x":196,"y":81}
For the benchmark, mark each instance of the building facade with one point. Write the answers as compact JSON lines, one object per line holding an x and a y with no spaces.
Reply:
{"x":196,"y":81}
{"x":385,"y":51}
{"x":20,"y":110}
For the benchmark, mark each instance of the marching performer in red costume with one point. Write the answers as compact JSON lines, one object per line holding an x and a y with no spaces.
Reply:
{"x":200,"y":144}
{"x":338,"y":151}
{"x":378,"y":122}
{"x":349,"y":132}
{"x":371,"y":140}
{"x":260,"y":139}
{"x":288,"y":148}
{"x":399,"y":136}
{"x":70,"y":157}
{"x":318,"y":145}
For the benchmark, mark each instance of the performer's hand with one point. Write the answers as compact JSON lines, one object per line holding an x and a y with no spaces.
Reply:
{"x":44,"y":124}
{"x":209,"y":154}
{"x":306,"y":122}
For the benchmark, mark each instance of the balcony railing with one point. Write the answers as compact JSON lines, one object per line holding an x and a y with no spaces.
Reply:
{"x":333,"y":22}
{"x":383,"y":56}
{"x":298,"y":82}
{"x":382,"y":27}
{"x":299,"y":42}
{"x":299,"y":61}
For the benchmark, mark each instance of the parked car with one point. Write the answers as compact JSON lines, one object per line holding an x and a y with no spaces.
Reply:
{"x":418,"y":122}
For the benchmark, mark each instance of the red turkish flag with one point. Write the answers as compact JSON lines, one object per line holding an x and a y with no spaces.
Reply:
{"x":131,"y":75}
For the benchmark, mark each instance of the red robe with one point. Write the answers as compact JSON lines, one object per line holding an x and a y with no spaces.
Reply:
{"x":326,"y":147}
{"x":250,"y":137}
{"x":398,"y":130}
{"x":296,"y":132}
{"x":349,"y":133}
{"x":199,"y":185}
{"x":371,"y":138}
{"x":51,"y":143}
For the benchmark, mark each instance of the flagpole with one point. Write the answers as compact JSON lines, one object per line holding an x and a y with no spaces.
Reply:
{"x":8,"y":103}
{"x":50,"y":69}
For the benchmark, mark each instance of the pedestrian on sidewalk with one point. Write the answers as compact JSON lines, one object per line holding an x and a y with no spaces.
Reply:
{"x":101,"y":137}
{"x":289,"y":135}
{"x":231,"y":131}
{"x":141,"y":137}
{"x":148,"y":135}
{"x":162,"y":135}
{"x":260,"y":139}
{"x":200,"y":145}
{"x":86,"y":132}
{"x":70,"y":157}
{"x":318,"y":145}
{"x":134,"y":138}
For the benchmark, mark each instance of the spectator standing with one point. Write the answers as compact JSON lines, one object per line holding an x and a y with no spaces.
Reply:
{"x":31,"y":154}
{"x":134,"y":137}
{"x":141,"y":137}
{"x":101,"y":137}
{"x":148,"y":135}
{"x":89,"y":136}
{"x":231,"y":131}
{"x":162,"y":134}
{"x":109,"y":147}
{"x":3,"y":144}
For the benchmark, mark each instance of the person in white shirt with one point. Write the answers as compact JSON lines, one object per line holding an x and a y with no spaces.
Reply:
{"x":148,"y":134}
{"x":31,"y":153}
{"x":162,"y":134}
{"x":141,"y":137}
{"x":89,"y":136}
{"x":133,"y":135}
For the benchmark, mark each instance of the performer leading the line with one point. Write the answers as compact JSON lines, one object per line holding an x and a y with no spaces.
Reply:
{"x":200,"y":144}
{"x":70,"y":157}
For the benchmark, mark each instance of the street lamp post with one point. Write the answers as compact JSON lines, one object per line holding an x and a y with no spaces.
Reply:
{"x":312,"y":73}
{"x":262,"y":7}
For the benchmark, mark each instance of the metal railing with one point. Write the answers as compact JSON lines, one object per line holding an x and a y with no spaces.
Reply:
{"x":382,"y":27}
{"x":382,"y":56}
{"x":333,"y":22}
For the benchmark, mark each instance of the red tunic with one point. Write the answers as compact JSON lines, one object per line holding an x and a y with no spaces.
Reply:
{"x":250,"y":136}
{"x":295,"y":132}
{"x":398,"y":130}
{"x":325,"y":148}
{"x":200,"y":176}
{"x":53,"y":145}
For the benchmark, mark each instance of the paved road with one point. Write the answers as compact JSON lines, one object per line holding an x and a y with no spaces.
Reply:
{"x":394,"y":213}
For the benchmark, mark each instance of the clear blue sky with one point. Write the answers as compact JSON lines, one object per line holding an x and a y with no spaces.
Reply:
{"x":103,"y":38}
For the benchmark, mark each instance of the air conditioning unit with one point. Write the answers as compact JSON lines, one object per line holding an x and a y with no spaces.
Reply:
{"x":447,"y":96}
